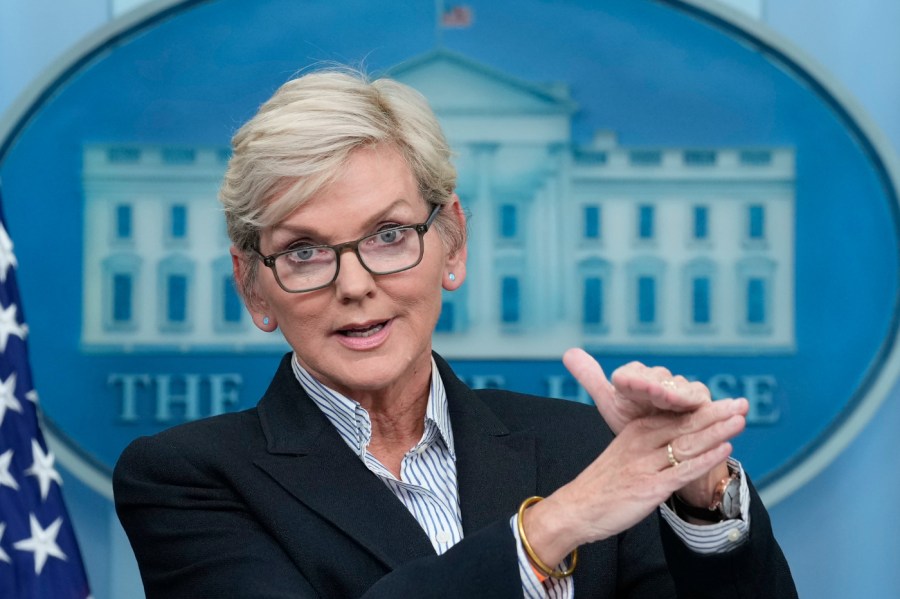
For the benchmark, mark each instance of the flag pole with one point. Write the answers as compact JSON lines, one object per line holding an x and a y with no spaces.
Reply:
{"x":438,"y":29}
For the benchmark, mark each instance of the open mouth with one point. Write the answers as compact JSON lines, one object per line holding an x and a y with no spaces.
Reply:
{"x":367,"y":331}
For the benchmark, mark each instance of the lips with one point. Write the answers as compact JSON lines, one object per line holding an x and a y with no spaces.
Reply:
{"x":364,"y":336}
{"x":363,"y":331}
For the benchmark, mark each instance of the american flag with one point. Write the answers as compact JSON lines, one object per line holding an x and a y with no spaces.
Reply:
{"x":459,"y":16}
{"x":39,"y":555}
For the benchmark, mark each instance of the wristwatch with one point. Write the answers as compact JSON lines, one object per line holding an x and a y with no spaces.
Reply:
{"x":726,"y":501}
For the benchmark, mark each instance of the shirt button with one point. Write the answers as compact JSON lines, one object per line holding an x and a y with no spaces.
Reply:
{"x":442,"y":537}
{"x":734,"y":535}
{"x":421,"y":449}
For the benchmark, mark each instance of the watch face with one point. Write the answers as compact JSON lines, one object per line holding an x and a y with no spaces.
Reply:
{"x":731,"y":505}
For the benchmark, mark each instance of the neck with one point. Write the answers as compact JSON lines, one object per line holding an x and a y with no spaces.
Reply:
{"x":398,"y":418}
{"x":398,"y":414}
{"x":397,"y":426}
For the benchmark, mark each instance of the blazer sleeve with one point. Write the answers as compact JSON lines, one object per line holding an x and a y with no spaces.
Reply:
{"x":647,"y":561}
{"x":757,"y":568}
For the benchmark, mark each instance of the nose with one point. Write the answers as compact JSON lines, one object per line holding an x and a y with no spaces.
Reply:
{"x":353,"y":280}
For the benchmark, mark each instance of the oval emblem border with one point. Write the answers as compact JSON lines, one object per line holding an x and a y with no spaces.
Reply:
{"x":878,"y":381}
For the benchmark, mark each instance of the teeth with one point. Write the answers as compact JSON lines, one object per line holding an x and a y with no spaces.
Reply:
{"x":364,"y":332}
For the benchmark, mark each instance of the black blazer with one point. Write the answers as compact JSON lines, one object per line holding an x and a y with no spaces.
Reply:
{"x":270,"y":502}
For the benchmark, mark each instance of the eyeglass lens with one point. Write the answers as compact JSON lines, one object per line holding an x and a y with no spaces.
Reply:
{"x":388,"y":251}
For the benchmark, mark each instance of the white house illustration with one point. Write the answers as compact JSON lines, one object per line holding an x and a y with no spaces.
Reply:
{"x":157,"y":272}
{"x":649,"y":249}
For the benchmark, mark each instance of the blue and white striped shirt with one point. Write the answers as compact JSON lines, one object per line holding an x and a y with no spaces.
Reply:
{"x":427,"y":486}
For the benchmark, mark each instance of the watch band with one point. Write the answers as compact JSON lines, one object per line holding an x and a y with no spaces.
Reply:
{"x":682,"y":508}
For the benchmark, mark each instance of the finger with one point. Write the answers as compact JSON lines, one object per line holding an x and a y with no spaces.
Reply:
{"x":657,"y":388}
{"x":690,"y":446}
{"x":711,"y":413}
{"x":688,"y":434}
{"x":638,"y":384}
{"x":666,"y":426}
{"x":678,"y":394}
{"x":589,"y":374}
{"x":689,"y":470}
{"x":660,"y":373}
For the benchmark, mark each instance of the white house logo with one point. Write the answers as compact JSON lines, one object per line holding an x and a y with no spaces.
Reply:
{"x":653,"y":248}
{"x":674,"y":215}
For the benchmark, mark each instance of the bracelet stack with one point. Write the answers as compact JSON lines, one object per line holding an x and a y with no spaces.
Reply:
{"x":535,"y":560}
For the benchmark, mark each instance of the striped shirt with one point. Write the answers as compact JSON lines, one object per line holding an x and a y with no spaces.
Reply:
{"x":721,"y":536}
{"x":427,"y":485}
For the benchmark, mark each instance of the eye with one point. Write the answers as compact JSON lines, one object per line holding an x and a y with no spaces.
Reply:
{"x":303,"y":254}
{"x":389,"y":236}
{"x":307,"y":255}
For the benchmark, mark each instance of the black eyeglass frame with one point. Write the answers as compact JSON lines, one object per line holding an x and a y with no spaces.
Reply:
{"x":339,"y":249}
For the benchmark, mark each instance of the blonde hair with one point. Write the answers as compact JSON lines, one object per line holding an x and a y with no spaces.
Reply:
{"x":300,"y":139}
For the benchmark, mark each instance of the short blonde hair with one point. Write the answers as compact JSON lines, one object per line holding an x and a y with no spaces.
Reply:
{"x":302,"y":136}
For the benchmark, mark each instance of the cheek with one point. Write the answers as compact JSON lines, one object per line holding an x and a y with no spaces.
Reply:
{"x":418,"y":295}
{"x":427,"y":302}
{"x":303,"y":326}
{"x":297,"y":311}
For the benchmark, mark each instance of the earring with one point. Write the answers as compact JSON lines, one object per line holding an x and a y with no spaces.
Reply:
{"x":452,"y":277}
{"x":266,"y":320}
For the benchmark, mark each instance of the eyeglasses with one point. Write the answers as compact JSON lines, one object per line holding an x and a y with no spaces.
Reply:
{"x":388,"y":251}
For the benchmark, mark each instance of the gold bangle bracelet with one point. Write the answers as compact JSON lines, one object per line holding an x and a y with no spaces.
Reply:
{"x":544,"y":568}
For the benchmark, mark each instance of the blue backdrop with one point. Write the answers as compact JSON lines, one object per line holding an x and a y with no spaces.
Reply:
{"x":825,"y":522}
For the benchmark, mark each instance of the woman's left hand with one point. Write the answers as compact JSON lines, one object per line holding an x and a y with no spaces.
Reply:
{"x":638,"y":391}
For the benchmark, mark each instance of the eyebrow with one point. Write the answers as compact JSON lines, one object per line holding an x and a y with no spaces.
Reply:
{"x":283,"y":229}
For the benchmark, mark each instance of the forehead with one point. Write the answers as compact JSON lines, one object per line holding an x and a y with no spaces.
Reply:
{"x":374,"y":182}
{"x":370,"y":174}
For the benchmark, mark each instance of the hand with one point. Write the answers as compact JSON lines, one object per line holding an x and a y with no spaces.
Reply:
{"x":633,"y":476}
{"x":636,"y":390}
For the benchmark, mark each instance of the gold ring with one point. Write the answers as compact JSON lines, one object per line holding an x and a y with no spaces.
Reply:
{"x":671,"y":454}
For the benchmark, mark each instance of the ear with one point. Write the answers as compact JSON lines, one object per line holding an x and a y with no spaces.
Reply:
{"x":255,"y":304}
{"x":456,"y":261}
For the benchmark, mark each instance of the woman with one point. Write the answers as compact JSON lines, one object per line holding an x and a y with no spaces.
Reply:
{"x":368,"y":468}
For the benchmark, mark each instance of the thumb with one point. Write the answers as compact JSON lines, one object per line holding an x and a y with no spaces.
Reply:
{"x":589,"y":374}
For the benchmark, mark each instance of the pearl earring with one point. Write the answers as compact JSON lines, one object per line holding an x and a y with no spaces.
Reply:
{"x":452,"y":277}
{"x":265,"y":320}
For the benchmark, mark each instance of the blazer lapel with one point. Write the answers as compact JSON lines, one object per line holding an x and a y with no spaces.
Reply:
{"x":308,"y":458}
{"x":495,"y":466}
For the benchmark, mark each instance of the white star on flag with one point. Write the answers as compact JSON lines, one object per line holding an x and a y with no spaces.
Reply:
{"x":32,"y":396}
{"x":9,"y":326}
{"x":4,"y":557}
{"x":7,"y":257}
{"x":8,"y":400}
{"x":43,"y":468}
{"x":42,"y":542}
{"x":7,"y":479}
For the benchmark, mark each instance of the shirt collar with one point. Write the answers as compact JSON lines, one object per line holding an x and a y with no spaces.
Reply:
{"x":352,"y":420}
